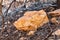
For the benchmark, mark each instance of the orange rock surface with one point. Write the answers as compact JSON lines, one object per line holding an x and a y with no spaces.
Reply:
{"x":31,"y":20}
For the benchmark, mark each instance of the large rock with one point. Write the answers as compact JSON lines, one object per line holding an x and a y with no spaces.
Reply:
{"x":31,"y":20}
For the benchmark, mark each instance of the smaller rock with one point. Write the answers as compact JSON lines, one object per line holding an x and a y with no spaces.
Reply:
{"x":6,"y":35}
{"x":23,"y":38}
{"x":57,"y":32}
{"x":55,"y":13}
{"x":31,"y":33}
{"x":54,"y":20}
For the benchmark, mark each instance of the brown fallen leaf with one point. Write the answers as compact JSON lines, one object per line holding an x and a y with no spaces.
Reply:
{"x":55,"y":13}
{"x":31,"y":21}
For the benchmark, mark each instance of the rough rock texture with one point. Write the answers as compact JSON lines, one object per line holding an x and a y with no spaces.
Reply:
{"x":31,"y":20}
